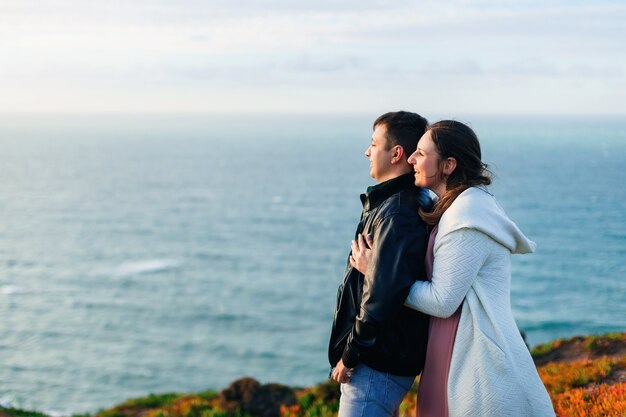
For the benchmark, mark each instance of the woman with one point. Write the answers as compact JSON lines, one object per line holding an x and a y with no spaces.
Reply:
{"x":477,"y":363}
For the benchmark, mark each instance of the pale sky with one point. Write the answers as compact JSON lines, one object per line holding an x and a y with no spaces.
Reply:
{"x":470,"y":57}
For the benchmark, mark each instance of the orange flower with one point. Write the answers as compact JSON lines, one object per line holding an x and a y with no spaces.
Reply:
{"x":562,"y":376}
{"x":289,"y":410}
{"x":600,"y":401}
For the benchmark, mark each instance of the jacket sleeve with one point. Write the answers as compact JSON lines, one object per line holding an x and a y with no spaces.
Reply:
{"x":459,"y":257}
{"x":397,"y":259}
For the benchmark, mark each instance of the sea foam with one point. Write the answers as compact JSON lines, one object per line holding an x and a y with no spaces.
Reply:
{"x":146,"y":266}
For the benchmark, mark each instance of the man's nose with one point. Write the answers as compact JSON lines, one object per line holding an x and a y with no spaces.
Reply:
{"x":367,"y":151}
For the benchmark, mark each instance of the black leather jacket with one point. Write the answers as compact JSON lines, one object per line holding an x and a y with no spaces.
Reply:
{"x":371,"y":324}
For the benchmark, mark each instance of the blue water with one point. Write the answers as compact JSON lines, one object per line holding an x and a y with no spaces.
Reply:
{"x":147,"y":254}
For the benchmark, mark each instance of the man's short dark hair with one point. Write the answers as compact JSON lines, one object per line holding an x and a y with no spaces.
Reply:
{"x":403,"y":128}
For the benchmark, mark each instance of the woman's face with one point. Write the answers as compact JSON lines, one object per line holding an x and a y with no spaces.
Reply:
{"x":426,"y":164}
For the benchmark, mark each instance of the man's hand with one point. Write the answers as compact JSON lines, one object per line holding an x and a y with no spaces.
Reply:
{"x":341,"y":374}
{"x":361,"y":253}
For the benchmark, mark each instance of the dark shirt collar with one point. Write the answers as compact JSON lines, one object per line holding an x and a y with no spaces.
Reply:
{"x":378,"y":193}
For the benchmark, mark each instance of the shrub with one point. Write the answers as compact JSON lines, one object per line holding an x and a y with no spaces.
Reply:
{"x":599,"y":341}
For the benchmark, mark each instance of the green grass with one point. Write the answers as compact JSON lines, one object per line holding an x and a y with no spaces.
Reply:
{"x":152,"y":400}
{"x":16,"y":412}
{"x":543,"y":349}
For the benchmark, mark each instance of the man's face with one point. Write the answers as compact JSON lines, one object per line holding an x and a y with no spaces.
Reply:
{"x":380,"y":155}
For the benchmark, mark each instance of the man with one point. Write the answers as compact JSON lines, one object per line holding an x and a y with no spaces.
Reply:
{"x":377,"y":346}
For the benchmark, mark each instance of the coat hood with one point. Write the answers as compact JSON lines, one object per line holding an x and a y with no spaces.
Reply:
{"x":475,"y":208}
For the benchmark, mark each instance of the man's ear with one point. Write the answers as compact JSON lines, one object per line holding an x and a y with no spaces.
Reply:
{"x":449,"y":165}
{"x":398,"y":154}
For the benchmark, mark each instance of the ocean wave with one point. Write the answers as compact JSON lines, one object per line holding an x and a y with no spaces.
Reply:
{"x":144,"y":267}
{"x":6,"y":402}
{"x":555,"y":326}
{"x":11,"y":289}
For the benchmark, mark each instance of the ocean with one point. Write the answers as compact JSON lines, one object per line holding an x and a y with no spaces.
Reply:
{"x":176,"y":253}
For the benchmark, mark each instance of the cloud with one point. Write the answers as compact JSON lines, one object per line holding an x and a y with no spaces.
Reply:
{"x":272,"y":53}
{"x":305,"y":63}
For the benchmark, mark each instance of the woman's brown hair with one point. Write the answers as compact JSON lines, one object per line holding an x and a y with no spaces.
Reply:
{"x":456,"y":140}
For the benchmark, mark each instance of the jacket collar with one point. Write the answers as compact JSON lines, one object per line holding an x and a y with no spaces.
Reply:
{"x":377,"y":194}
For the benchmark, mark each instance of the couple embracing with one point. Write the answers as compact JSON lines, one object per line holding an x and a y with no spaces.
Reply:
{"x":427,"y":285}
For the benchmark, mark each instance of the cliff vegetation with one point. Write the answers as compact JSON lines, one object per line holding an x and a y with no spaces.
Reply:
{"x":584,"y":375}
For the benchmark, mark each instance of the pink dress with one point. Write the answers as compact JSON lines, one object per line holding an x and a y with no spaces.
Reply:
{"x":432,"y":393}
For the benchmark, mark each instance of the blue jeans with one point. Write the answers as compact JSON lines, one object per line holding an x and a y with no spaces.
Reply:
{"x":371,"y":393}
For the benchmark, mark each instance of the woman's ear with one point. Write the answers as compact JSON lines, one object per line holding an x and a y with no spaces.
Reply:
{"x":449,"y":165}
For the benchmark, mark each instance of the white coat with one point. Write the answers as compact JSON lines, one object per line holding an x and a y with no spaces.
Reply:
{"x":491,"y":370}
